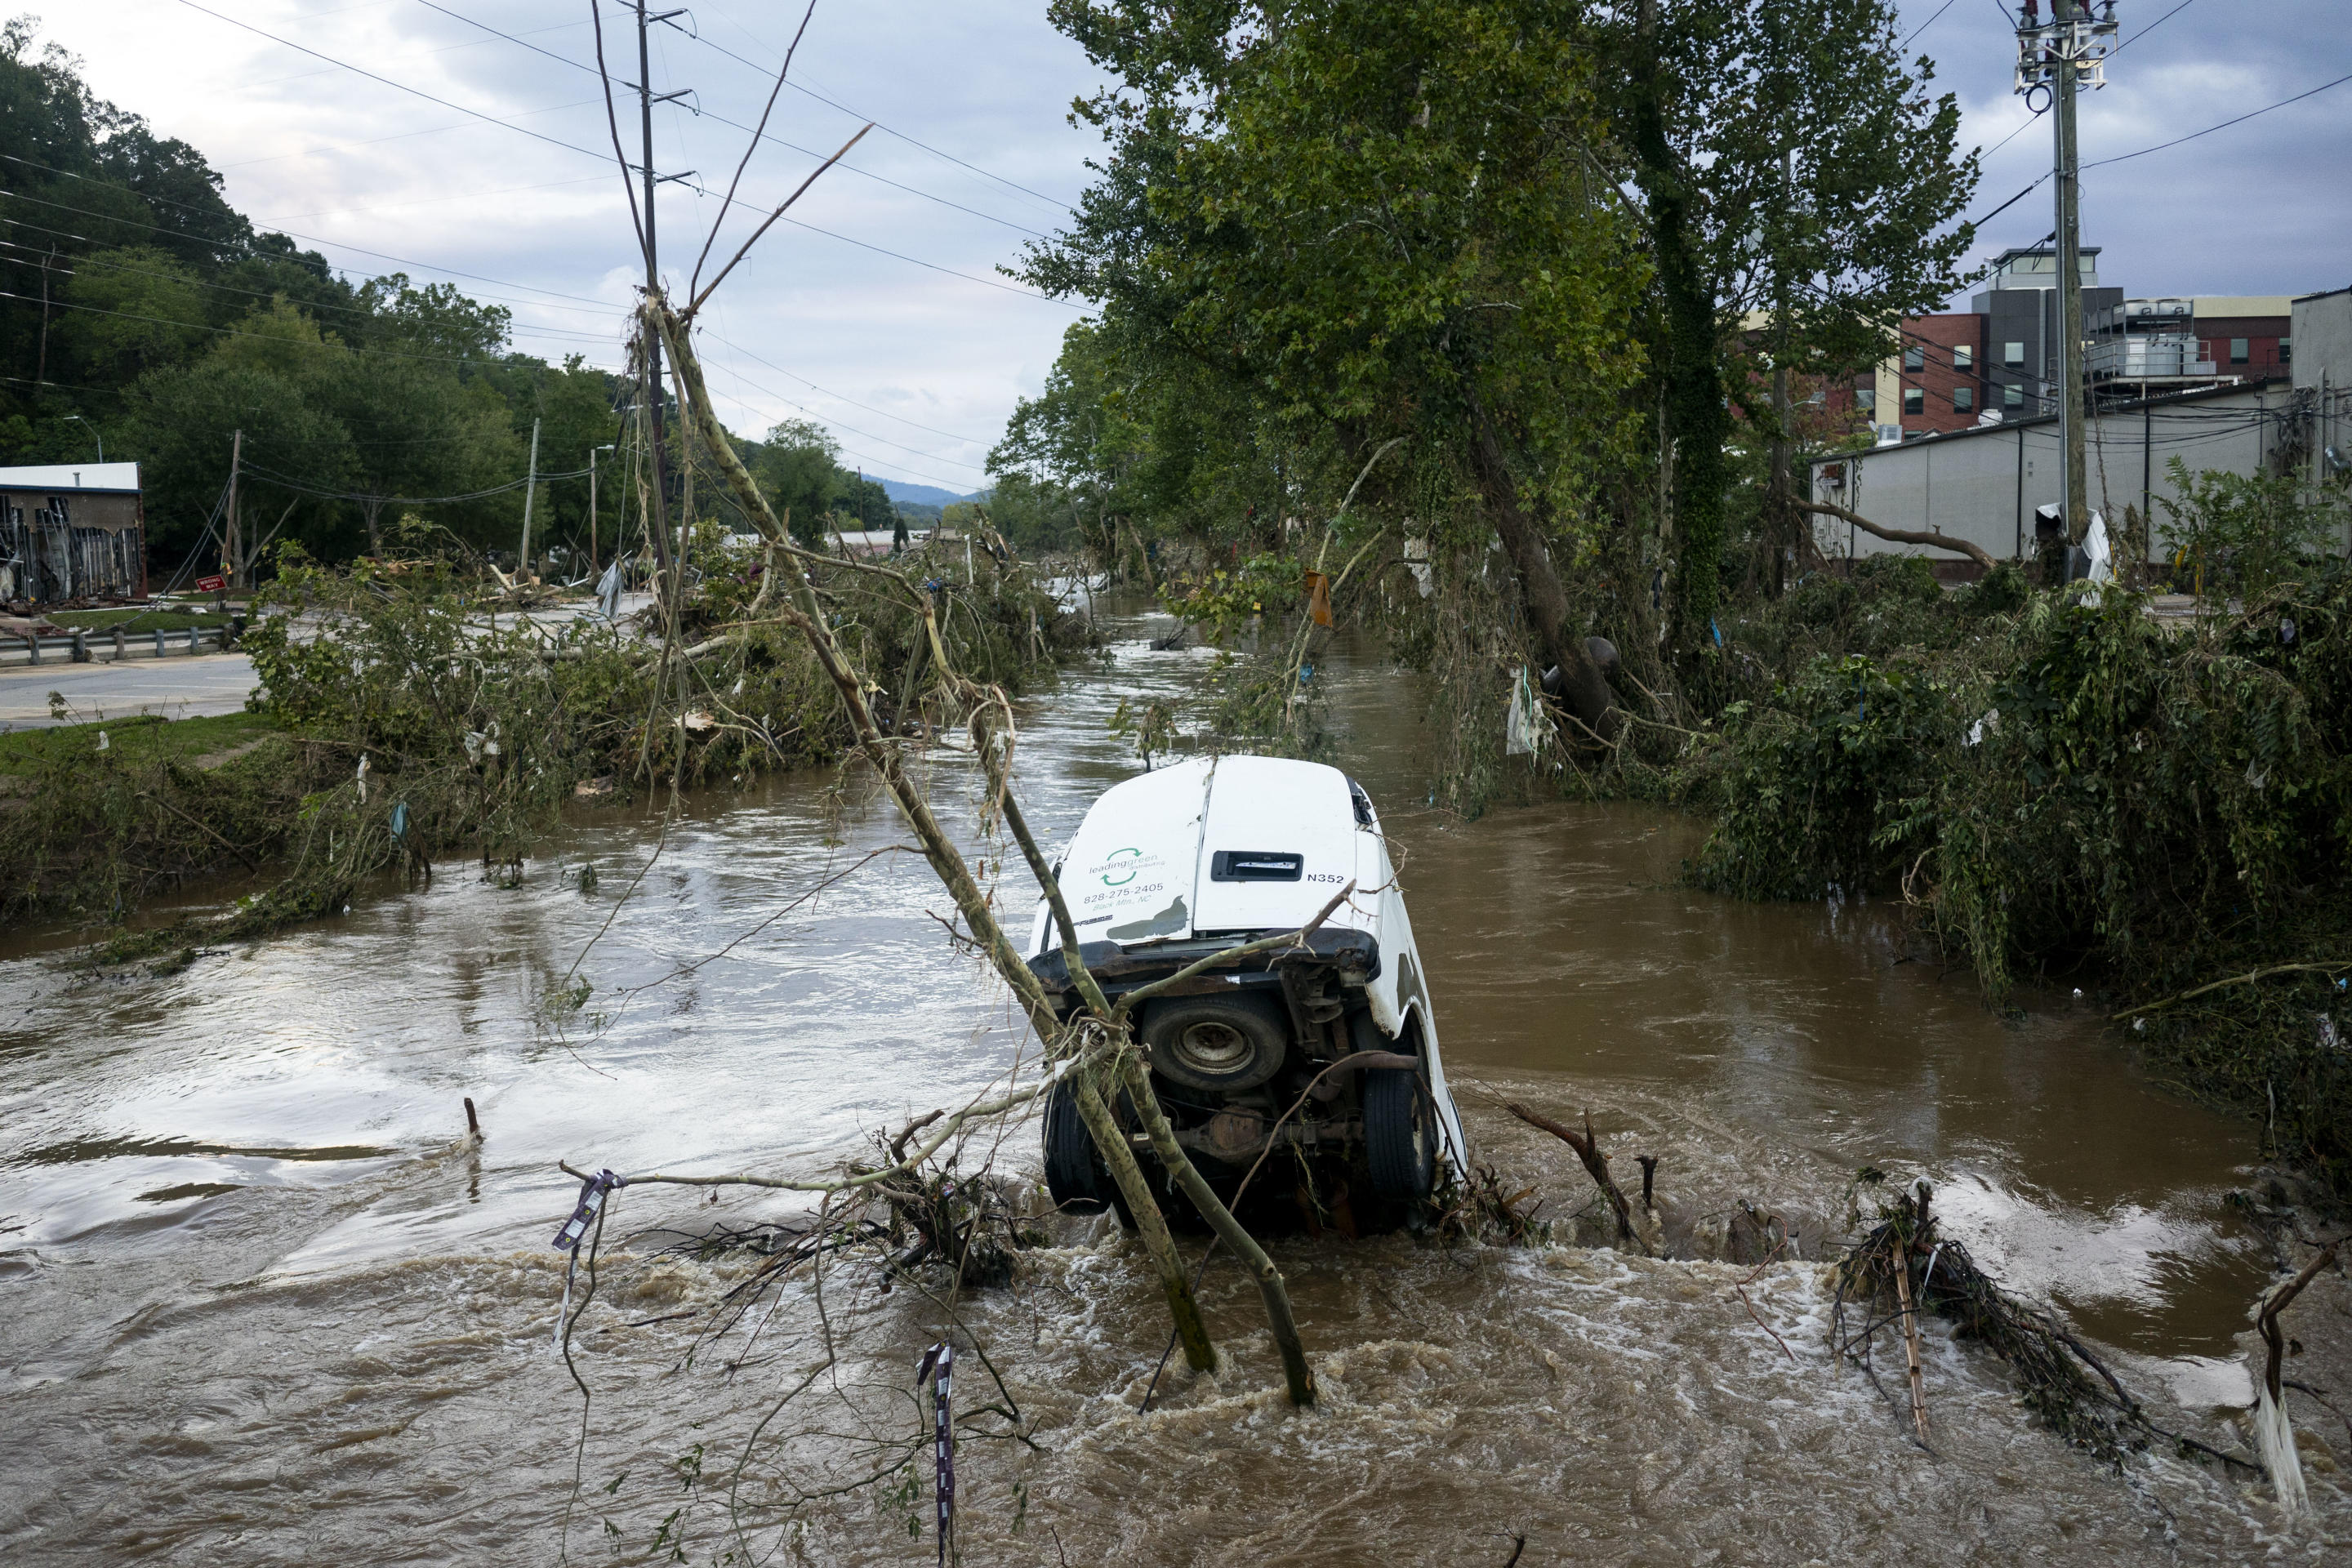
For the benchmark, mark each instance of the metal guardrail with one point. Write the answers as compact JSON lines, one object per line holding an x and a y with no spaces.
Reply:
{"x":106,"y":646}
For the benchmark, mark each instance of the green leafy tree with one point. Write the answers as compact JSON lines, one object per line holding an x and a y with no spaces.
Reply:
{"x":1386,"y":220}
{"x":798,"y":467}
{"x":1790,"y":163}
{"x":130,"y":311}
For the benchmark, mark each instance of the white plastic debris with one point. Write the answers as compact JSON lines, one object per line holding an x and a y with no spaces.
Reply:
{"x":1524,"y":730}
{"x":2102,"y":553}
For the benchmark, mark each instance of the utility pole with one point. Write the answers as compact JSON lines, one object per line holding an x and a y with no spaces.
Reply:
{"x":592,"y":501}
{"x":229,"y":530}
{"x":2059,"y":59}
{"x":529,"y":492}
{"x":647,"y":98}
{"x":1784,"y":513}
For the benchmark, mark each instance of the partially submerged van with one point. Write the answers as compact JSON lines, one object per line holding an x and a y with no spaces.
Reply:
{"x":1209,"y":854}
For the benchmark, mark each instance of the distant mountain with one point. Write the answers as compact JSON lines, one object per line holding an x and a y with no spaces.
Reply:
{"x":923,"y":495}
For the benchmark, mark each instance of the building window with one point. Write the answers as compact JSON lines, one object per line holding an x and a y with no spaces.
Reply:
{"x":2236,"y":351}
{"x":1964,"y":358}
{"x":2012,"y":355}
{"x":2013,"y":398}
{"x":2286,"y":351}
{"x":1914,"y":400}
{"x":1914,"y":358}
{"x":1865,"y":400}
{"x":1964,"y":400}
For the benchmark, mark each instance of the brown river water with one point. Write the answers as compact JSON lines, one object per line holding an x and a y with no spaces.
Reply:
{"x":262,"y":1302}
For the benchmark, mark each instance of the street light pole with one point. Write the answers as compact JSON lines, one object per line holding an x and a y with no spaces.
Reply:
{"x":94,"y":435}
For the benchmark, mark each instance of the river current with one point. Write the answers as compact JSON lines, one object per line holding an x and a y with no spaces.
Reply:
{"x":262,"y":1300}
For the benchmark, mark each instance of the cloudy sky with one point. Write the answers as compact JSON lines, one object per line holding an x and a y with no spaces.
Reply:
{"x":886,"y":317}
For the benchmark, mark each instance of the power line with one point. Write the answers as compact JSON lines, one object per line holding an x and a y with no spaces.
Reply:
{"x":2208,"y":131}
{"x":575,"y":147}
{"x":916,"y":451}
{"x":2151,"y":27}
{"x":878,"y":126}
{"x":1922,"y":26}
{"x":867,"y":457}
{"x":234,"y":332}
{"x":247,"y":246}
{"x":398,"y":86}
{"x":270,"y":476}
{"x":714,"y":115}
{"x":395,"y":136}
{"x":534,"y":331}
{"x":69,"y":263}
{"x":828,"y":391}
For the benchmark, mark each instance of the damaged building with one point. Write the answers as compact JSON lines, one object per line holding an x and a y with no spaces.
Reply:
{"x":72,"y":531}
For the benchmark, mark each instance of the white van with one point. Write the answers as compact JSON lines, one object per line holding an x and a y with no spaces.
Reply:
{"x":1212,"y":853}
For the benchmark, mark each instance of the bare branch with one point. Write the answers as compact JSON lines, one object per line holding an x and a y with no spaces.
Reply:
{"x":613,"y":120}
{"x":1264,"y":945}
{"x":688,"y":315}
{"x":1931,"y":539}
{"x":758,"y":131}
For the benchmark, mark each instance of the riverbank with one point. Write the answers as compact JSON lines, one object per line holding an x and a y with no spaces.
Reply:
{"x":403,"y":726}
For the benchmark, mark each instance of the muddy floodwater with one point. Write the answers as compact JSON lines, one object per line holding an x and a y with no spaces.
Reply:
{"x":261,"y":1301}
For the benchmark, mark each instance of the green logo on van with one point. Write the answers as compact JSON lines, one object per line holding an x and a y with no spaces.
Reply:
{"x":1112,"y":882}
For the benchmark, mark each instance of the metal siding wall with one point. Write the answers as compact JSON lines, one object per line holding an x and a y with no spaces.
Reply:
{"x":1967,"y":486}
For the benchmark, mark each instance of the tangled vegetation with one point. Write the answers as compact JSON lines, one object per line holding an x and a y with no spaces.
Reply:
{"x":2071,"y":790}
{"x":403,"y":718}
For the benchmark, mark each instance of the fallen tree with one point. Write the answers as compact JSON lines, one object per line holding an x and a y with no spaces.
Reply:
{"x":1932,"y":539}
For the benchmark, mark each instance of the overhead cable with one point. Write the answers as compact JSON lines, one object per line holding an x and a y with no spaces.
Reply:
{"x":720,"y":119}
{"x":878,"y":126}
{"x":602,"y":157}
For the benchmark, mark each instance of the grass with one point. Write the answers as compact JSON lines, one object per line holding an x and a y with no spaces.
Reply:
{"x":133,"y":620}
{"x":140,"y":737}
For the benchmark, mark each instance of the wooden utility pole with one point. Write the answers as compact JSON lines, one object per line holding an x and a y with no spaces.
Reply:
{"x":647,"y":98}
{"x":529,"y":491}
{"x":2062,"y":58}
{"x":2070,"y":279}
{"x":228,"y":524}
{"x":1784,"y":516}
{"x":592,"y":506}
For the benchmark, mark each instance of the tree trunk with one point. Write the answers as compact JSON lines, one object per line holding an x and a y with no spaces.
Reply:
{"x":1899,"y":535}
{"x":1150,"y":1226}
{"x":1696,"y":417}
{"x":947,"y":863}
{"x":1230,"y":1231}
{"x":1586,"y":689}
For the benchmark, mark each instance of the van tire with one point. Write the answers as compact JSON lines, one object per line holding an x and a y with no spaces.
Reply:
{"x":1075,"y":1176}
{"x":1400,"y":1134}
{"x":1219,"y":1044}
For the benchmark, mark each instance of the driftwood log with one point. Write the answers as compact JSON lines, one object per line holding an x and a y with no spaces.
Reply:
{"x":1596,"y":1164}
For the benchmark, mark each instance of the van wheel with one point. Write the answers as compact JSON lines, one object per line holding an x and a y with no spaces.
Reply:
{"x":1221,"y":1043}
{"x":1075,"y":1177}
{"x":1399,"y":1140}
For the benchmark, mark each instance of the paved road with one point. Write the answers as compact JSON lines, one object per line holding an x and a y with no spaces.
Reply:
{"x":177,"y":688}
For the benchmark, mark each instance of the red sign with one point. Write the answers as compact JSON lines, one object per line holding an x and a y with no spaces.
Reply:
{"x":211,"y":585}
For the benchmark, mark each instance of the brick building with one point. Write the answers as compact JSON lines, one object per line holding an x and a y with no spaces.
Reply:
{"x":1999,"y":360}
